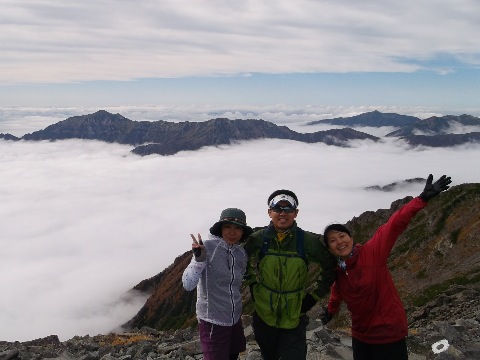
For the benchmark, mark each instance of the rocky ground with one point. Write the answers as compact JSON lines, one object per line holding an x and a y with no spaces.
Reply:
{"x":447,"y":328}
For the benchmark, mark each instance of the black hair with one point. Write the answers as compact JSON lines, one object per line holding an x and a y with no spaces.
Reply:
{"x":334,"y":227}
{"x":283,"y":191}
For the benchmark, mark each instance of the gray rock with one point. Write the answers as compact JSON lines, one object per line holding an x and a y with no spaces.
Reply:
{"x":323,"y":343}
{"x":9,"y":354}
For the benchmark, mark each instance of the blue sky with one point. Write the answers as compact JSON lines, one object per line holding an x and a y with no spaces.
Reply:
{"x":251,"y":53}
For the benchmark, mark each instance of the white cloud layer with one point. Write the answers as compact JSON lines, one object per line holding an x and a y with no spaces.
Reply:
{"x":83,"y":221}
{"x":63,"y":41}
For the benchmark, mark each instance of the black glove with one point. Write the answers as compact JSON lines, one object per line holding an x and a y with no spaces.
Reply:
{"x":436,"y":188}
{"x":307,"y":303}
{"x":199,"y":252}
{"x":326,"y":316}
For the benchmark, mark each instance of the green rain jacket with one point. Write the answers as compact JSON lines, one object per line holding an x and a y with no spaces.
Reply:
{"x":280,"y":276}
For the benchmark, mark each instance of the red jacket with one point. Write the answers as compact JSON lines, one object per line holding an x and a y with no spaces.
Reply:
{"x":378,"y":315}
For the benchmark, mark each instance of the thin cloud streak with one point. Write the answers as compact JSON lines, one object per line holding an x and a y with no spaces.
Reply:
{"x":83,"y":221}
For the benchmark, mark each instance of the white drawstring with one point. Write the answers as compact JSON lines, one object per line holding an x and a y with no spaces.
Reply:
{"x":215,"y":251}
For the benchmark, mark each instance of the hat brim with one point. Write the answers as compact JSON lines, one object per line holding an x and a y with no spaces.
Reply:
{"x":216,"y":229}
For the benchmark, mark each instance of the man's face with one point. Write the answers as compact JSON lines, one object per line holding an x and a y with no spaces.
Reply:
{"x":282,"y":219}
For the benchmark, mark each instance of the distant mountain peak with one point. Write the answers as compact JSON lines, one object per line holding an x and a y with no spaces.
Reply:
{"x":397,"y":185}
{"x":166,"y":138}
{"x":373,"y":118}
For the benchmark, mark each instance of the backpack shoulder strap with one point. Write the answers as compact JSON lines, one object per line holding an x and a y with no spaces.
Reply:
{"x":301,"y":244}
{"x":265,"y":244}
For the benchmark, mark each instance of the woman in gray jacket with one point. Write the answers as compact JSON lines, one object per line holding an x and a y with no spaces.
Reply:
{"x":217,"y":270}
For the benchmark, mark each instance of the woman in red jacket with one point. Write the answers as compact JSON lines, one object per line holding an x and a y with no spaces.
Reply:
{"x":379,"y":322}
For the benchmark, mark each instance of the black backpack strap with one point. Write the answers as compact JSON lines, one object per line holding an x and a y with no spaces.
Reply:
{"x":265,"y":245}
{"x":301,"y":244}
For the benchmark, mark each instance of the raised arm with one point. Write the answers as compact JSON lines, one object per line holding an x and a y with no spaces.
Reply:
{"x":193,"y":272}
{"x":386,"y":236}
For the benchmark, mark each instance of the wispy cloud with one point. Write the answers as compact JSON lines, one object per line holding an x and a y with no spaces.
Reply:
{"x":64,"y":41}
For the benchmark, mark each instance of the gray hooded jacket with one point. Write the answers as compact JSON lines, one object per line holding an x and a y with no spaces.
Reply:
{"x":219,"y":279}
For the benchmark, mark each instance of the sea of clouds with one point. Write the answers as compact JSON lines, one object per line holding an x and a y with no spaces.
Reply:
{"x":82,"y":222}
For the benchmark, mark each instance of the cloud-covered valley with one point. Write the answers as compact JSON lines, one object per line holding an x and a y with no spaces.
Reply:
{"x":84,"y":221}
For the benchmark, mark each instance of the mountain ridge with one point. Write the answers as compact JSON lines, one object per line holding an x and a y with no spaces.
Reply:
{"x":167,"y":138}
{"x":373,"y":118}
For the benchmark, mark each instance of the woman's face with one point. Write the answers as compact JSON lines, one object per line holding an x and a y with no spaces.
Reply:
{"x":340,"y":243}
{"x":231,"y":233}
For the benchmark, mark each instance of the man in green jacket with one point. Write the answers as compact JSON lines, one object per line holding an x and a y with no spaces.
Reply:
{"x":278,"y":276}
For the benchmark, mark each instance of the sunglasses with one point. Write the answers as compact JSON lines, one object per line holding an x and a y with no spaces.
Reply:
{"x":280,"y":209}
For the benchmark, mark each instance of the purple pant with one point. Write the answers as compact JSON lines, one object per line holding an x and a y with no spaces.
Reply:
{"x":221,"y":342}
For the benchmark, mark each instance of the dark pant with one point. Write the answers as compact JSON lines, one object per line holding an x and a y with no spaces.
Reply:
{"x":276,"y":343}
{"x":392,"y":351}
{"x":221,"y":342}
